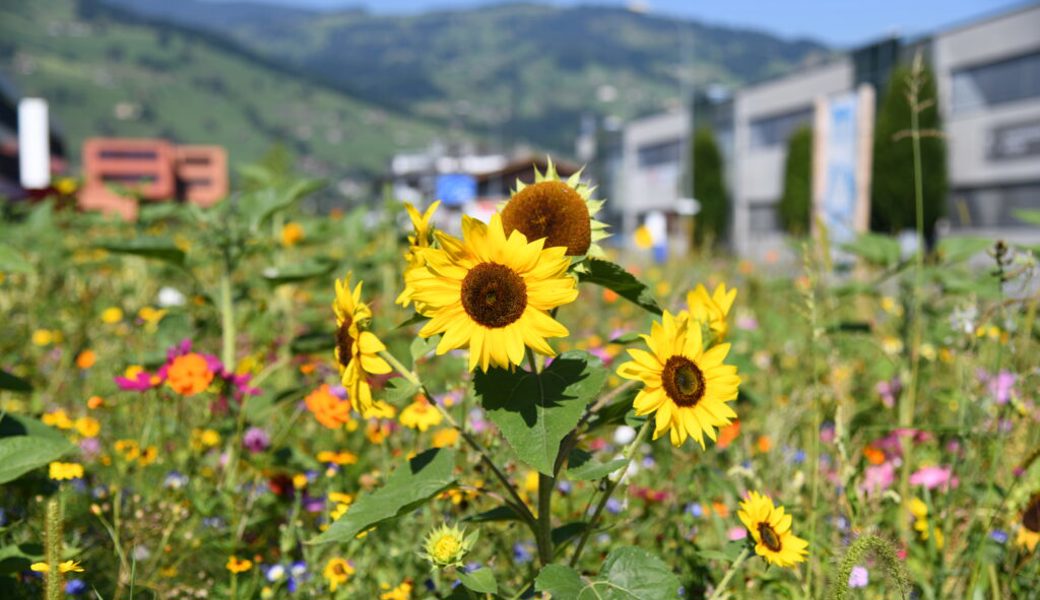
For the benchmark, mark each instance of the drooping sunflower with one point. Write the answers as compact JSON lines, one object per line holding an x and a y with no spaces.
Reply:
{"x":712,"y":309}
{"x":492,"y":293}
{"x":1029,"y":532}
{"x":357,"y":350}
{"x":422,"y":237}
{"x":562,"y":212}
{"x":688,"y":387}
{"x":770,"y":527}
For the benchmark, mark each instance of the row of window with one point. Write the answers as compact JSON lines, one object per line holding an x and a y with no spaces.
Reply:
{"x":1004,"y":81}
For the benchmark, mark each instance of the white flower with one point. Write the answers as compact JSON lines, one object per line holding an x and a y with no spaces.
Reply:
{"x":169,"y":296}
{"x":624,"y":435}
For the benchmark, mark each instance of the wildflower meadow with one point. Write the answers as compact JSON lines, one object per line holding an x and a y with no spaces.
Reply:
{"x":400,"y":402}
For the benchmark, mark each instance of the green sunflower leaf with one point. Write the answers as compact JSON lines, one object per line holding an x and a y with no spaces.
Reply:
{"x":148,"y":247}
{"x":536,"y":411}
{"x":408,"y":487}
{"x":23,"y":453}
{"x":615,"y":278}
{"x":582,"y":467}
{"x":482,"y":581}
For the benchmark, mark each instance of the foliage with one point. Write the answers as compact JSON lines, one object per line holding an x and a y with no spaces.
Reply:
{"x":709,"y":188}
{"x":796,"y":202}
{"x":892,"y":206}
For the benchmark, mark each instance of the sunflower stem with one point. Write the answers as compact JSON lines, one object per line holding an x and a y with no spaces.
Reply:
{"x":517,"y":504}
{"x":53,"y":543}
{"x":720,"y":590}
{"x":611,"y":484}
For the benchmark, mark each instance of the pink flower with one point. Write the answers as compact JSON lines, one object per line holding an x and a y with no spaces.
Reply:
{"x":736,"y":533}
{"x":878,"y":478}
{"x":933,"y":477}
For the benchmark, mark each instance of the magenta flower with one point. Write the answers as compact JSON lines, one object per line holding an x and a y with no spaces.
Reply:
{"x":256,"y":440}
{"x":878,"y":478}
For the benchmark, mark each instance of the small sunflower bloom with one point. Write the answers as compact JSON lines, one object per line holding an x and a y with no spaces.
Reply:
{"x":560,"y":212}
{"x":492,"y":294}
{"x":770,"y":527}
{"x":337,"y":572}
{"x":112,"y":315}
{"x":420,"y":414}
{"x":446,"y":546}
{"x":712,"y":309}
{"x":401,"y":592}
{"x":58,"y":418}
{"x":88,"y":427}
{"x":357,"y":350}
{"x":60,"y":471}
{"x":238,"y":565}
{"x":1029,"y":532}
{"x":42,"y":337}
{"x":687,"y":386}
{"x":292,"y":234}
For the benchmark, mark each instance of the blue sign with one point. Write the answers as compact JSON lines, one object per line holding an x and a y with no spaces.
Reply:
{"x":840,"y":192}
{"x":456,"y":189}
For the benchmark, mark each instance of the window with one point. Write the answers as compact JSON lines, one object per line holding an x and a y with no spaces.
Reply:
{"x":774,"y":130}
{"x":1009,"y":80}
{"x":993,"y":207}
{"x":661,"y":153}
{"x":763,"y":217}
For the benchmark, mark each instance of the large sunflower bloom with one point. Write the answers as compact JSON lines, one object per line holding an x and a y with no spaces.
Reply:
{"x":770,"y":527}
{"x":1029,"y":532}
{"x":421,"y":238}
{"x":492,"y":294}
{"x":712,"y":309}
{"x":562,"y":212}
{"x":688,"y":387}
{"x":357,"y":351}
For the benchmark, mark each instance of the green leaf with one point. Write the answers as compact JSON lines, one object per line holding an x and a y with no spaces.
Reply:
{"x":877,"y":249}
{"x":582,"y":467}
{"x":482,"y":580}
{"x":13,"y":383}
{"x":562,"y":582}
{"x":413,"y":320}
{"x":535,"y":411}
{"x":12,"y":261}
{"x":634,"y":574}
{"x":23,"y":453}
{"x":627,"y":338}
{"x":400,"y":391}
{"x":568,"y":531}
{"x":615,"y":278}
{"x":149,"y":247}
{"x":18,"y":425}
{"x":422,"y":346}
{"x":501,"y":513}
{"x":15,"y":558}
{"x":407,"y":488}
{"x":310,"y":269}
{"x":957,"y":249}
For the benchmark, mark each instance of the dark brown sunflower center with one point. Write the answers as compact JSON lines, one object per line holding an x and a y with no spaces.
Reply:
{"x":337,"y":569}
{"x":683,"y":381}
{"x":345,"y":342}
{"x":551,"y":210}
{"x":1031,"y":515}
{"x":769,"y":537}
{"x":494,"y":295}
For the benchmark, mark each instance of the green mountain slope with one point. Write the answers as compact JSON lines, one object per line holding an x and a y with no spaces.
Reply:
{"x":518,"y":71}
{"x":108,"y":75}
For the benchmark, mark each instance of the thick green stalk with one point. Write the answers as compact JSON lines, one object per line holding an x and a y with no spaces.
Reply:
{"x":720,"y":590}
{"x":53,"y":589}
{"x":546,"y":483}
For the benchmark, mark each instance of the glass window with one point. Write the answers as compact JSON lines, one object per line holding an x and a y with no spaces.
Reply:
{"x":774,"y":130}
{"x":764,"y":218}
{"x":996,"y":83}
{"x":659,"y":154}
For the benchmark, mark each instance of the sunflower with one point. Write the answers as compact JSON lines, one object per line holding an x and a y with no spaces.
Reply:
{"x":421,"y":238}
{"x":560,"y":211}
{"x":686,"y":385}
{"x":770,"y":527}
{"x":492,"y":294}
{"x":1029,"y":533}
{"x":357,"y":351}
{"x":712,"y":309}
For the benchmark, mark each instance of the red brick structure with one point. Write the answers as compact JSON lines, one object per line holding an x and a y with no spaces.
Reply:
{"x":149,"y":169}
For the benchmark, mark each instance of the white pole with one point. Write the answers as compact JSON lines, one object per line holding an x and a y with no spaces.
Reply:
{"x":34,"y":149}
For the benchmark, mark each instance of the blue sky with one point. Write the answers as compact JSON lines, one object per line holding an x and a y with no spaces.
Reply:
{"x":838,"y":22}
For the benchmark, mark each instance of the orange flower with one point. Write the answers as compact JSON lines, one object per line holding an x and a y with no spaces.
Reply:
{"x":873,"y":455}
{"x":764,"y":444}
{"x":720,"y":509}
{"x":189,"y":374}
{"x":86,"y":359}
{"x":727,"y":434}
{"x":95,"y":402}
{"x":331,"y":411}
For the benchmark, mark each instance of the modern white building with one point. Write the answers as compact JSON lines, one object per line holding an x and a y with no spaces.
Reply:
{"x":988,"y":78}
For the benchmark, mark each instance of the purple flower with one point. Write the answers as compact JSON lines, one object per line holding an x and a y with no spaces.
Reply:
{"x":523,"y":552}
{"x":999,"y":536}
{"x":256,"y":440}
{"x":75,"y":587}
{"x":859,"y":577}
{"x":889,"y":391}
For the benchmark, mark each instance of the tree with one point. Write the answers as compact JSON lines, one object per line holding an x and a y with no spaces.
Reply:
{"x":709,"y":188}
{"x":892,"y":207}
{"x":796,"y":201}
